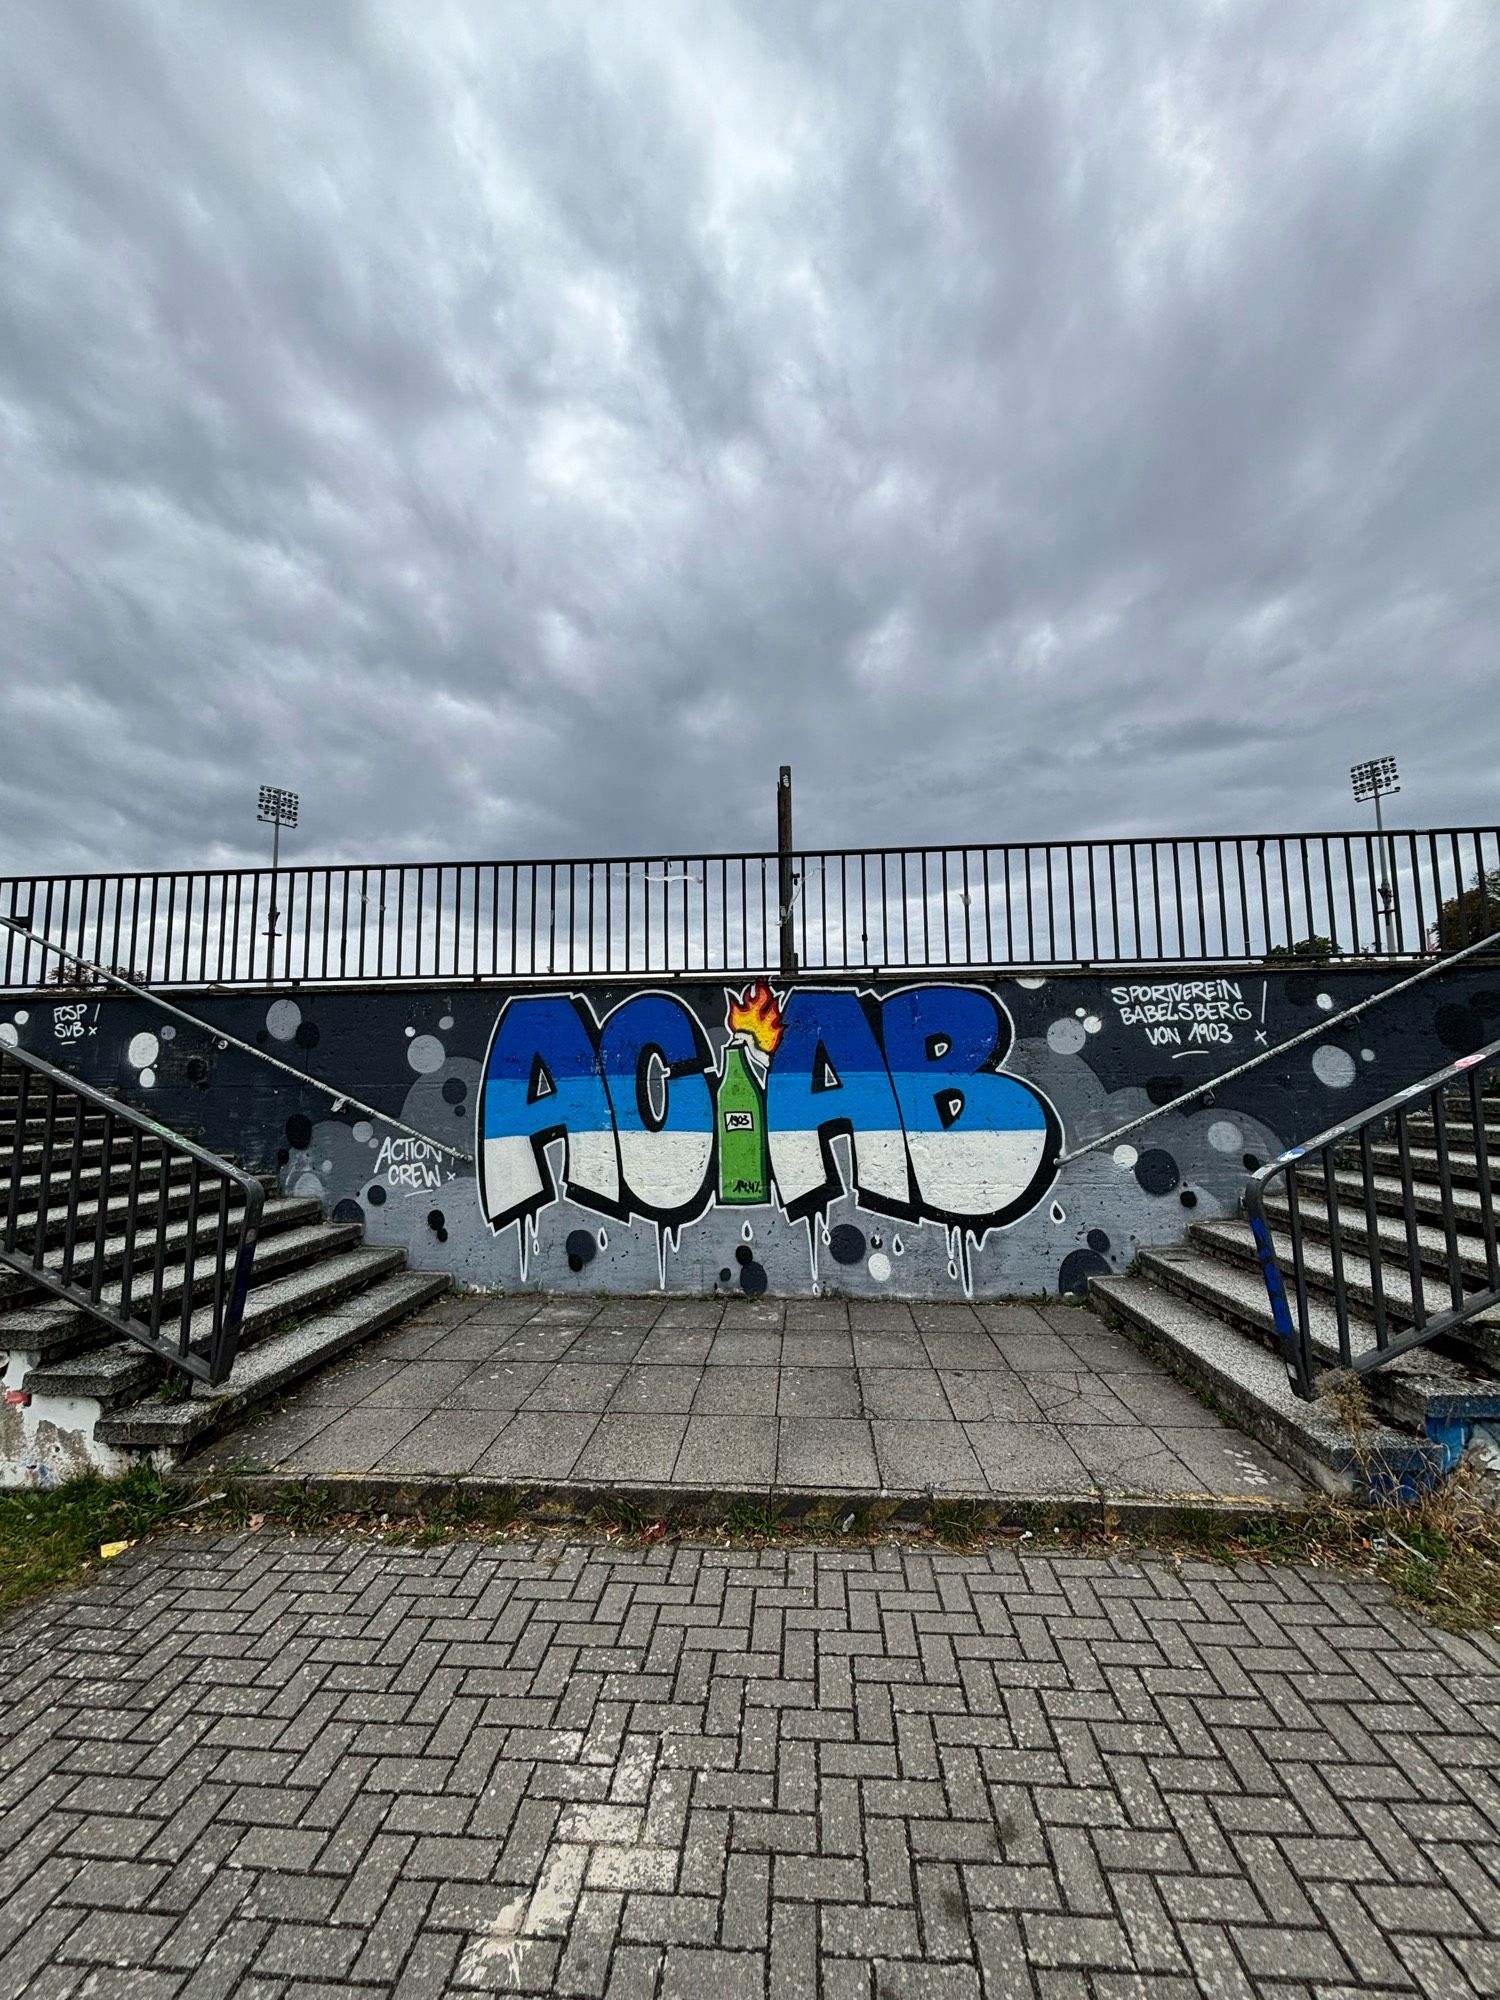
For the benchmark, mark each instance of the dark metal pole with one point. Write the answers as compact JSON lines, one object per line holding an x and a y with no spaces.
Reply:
{"x":786,"y":885}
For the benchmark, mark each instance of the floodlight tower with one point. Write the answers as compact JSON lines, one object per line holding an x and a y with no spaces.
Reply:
{"x":278,"y":808}
{"x":1373,"y":780}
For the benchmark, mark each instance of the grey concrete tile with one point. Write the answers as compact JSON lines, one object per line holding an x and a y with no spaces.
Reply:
{"x":611,"y":1345}
{"x":743,"y":1315}
{"x":347,"y":1383}
{"x":408,"y":1342}
{"x":357,"y":1442}
{"x":817,"y":1316}
{"x":1070,"y":1321}
{"x":273,"y":1440}
{"x":1010,"y":1319}
{"x":575,"y":1313}
{"x":657,"y":1391}
{"x":639,"y":1314}
{"x":745,"y":1347}
{"x":926,"y":1457}
{"x":727,"y":1452}
{"x":1162,"y":1402}
{"x":977,"y":1394}
{"x":634,"y":1450}
{"x":1035,"y":1353}
{"x":1078,"y":1398}
{"x":895,"y":1348}
{"x":675,"y":1346}
{"x":1108,"y":1353}
{"x":972,"y":1348}
{"x":512,"y":1310}
{"x":576,"y":1385}
{"x":737,"y":1392}
{"x":502,"y":1385}
{"x":446,"y":1441}
{"x":801,"y":1349}
{"x":904,"y":1393}
{"x":690,"y":1316}
{"x":1126,"y":1459}
{"x":819,"y":1392}
{"x":469,"y":1342}
{"x":943,"y":1316}
{"x":417,"y":1385}
{"x":835,"y":1454}
{"x":538,"y":1444}
{"x":881,"y":1316}
{"x":1030,"y":1460}
{"x":537,"y":1343}
{"x":1232,"y":1466}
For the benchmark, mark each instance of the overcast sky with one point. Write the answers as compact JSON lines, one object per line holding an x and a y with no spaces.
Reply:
{"x":520,"y":427}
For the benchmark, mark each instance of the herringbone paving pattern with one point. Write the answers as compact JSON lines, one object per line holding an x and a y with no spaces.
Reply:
{"x":275,"y":1767}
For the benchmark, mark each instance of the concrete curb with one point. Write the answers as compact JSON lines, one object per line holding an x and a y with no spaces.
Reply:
{"x":558,"y":1502}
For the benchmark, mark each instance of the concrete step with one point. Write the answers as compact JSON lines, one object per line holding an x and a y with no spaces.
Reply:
{"x":90,"y":1153}
{"x":1250,"y":1382}
{"x":1427,"y":1196}
{"x":271,"y":1365}
{"x":1463,"y":1170}
{"x":122,"y":1372}
{"x":66,"y":1117}
{"x":1423,"y":1392}
{"x":1232,"y":1239}
{"x":56,"y":1328}
{"x":89,"y":1180}
{"x":1460,"y":1128}
{"x":116,"y":1208}
{"x":285,"y":1212}
{"x":1390,"y":1234}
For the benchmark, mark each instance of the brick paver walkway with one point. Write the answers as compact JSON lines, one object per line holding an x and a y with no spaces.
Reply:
{"x":811,"y":1396}
{"x":279,"y":1767}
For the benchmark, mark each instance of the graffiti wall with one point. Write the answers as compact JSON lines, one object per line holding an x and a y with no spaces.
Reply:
{"x":887,"y":1139}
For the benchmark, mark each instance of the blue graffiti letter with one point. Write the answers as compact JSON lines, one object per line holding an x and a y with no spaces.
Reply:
{"x":543,"y":1082}
{"x":828,"y":1076}
{"x":983,"y":1145}
{"x":654,"y":1055}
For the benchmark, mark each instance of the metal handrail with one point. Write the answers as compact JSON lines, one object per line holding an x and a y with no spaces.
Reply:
{"x":1396,"y":1326}
{"x":1229,"y":899}
{"x":342,"y":1099}
{"x":221,"y":1200}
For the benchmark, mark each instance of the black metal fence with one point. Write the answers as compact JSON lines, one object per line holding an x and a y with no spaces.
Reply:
{"x":1386,"y":1225}
{"x":145,"y":1232}
{"x":1026,"y":906}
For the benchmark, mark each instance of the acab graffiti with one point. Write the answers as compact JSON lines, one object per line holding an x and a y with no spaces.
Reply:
{"x":636,"y":1115}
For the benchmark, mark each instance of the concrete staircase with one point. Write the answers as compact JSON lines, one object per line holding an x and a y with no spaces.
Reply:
{"x":78,"y":1397}
{"x":1202,"y":1307}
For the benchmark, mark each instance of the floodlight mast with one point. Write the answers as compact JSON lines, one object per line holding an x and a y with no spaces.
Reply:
{"x":1373,"y":780}
{"x":277,"y":808}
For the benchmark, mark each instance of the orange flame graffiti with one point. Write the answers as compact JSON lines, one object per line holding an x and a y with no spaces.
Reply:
{"x":757,"y":1015}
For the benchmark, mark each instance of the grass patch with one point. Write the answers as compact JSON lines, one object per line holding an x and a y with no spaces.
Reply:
{"x":751,"y":1521}
{"x":954,"y":1522}
{"x":53,"y":1538}
{"x":302,"y":1507}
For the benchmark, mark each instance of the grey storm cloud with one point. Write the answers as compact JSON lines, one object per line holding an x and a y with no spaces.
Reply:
{"x":520,"y":428}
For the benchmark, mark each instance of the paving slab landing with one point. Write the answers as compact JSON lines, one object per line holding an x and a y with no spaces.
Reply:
{"x":994,"y":1404}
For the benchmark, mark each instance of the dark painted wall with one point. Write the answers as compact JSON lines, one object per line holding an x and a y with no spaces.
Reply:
{"x":910,"y":1128}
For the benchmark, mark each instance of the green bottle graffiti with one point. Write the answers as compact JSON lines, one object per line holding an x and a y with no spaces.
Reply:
{"x":740,"y":1109}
